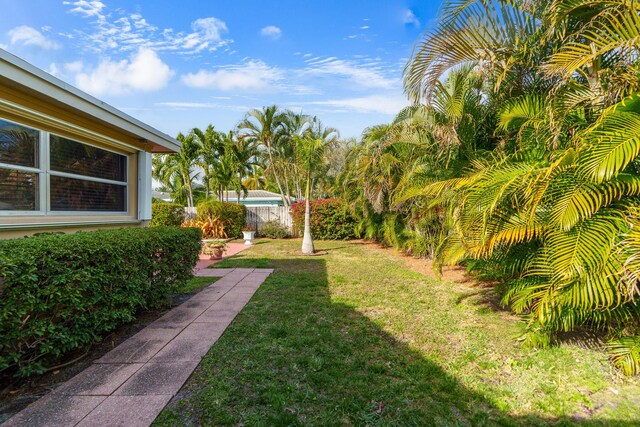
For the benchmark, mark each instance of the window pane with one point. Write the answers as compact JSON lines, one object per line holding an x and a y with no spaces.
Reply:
{"x":18,"y":190}
{"x":18,"y":144}
{"x":68,"y":194}
{"x":82,"y":159}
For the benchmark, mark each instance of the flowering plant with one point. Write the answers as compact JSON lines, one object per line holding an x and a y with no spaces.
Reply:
{"x":248,"y":228}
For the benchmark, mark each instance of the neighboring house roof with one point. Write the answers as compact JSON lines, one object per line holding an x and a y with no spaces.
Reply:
{"x":253,"y":195}
{"x":161,"y":195}
{"x":18,"y":74}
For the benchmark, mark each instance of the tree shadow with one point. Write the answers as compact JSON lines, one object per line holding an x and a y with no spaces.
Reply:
{"x":296,"y":356}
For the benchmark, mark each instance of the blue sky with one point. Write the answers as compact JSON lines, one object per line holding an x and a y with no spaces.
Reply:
{"x":183,"y":64}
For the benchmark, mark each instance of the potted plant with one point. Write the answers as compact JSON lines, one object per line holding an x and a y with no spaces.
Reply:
{"x":248,"y":233}
{"x":215,"y":248}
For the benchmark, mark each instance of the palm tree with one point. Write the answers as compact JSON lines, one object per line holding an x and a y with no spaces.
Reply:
{"x":551,"y":211}
{"x":210,"y":148}
{"x":294,"y":125}
{"x":179,"y":167}
{"x":241,"y":155}
{"x":264,"y":128}
{"x":311,"y":146}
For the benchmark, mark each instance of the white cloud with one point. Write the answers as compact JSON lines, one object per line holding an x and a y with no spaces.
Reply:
{"x":254,"y":76}
{"x":66,"y":69}
{"x":74,"y":67}
{"x":28,"y":36}
{"x":366,"y":75}
{"x":178,"y":105}
{"x":186,"y":104}
{"x":119,"y":31}
{"x":364,"y":27}
{"x":409,"y":17}
{"x":54,"y":70}
{"x":86,"y":7}
{"x":144,"y":71}
{"x":391,"y":104}
{"x":271,"y":31}
{"x":206,"y":31}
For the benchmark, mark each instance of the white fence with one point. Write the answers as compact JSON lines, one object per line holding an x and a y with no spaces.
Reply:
{"x":256,"y":216}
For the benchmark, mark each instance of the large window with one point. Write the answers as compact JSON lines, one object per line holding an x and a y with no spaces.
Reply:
{"x":43,"y":173}
{"x":86,"y":178}
{"x":20,"y":171}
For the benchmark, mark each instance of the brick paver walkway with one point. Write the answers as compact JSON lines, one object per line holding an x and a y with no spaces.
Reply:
{"x":232,"y":249}
{"x":131,"y":384}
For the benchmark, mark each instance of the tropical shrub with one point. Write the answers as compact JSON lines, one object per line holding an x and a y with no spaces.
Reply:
{"x":274,"y":230}
{"x":551,"y":212}
{"x":59,"y":293}
{"x":520,"y":159}
{"x":232,"y":215}
{"x":166,"y":214}
{"x":330,"y":219}
{"x":211,"y":228}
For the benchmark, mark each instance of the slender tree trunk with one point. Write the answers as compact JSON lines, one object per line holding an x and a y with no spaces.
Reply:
{"x":288,"y":193}
{"x":286,"y":202}
{"x":298,"y":190}
{"x":190,"y":198}
{"x":307,"y":240}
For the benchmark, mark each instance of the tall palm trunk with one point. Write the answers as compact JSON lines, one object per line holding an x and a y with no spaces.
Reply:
{"x":307,"y":240}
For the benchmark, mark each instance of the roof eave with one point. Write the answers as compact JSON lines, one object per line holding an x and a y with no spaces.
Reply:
{"x":27,"y":75}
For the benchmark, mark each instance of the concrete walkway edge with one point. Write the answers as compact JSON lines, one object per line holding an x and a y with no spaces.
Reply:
{"x":130,"y":385}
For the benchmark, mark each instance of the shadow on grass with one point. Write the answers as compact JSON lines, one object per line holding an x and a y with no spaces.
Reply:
{"x":295,"y":357}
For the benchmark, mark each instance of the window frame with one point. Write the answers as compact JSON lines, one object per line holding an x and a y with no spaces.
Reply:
{"x":44,"y":173}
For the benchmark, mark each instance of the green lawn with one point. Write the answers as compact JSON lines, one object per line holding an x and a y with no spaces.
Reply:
{"x":355,"y":338}
{"x":194,"y":285}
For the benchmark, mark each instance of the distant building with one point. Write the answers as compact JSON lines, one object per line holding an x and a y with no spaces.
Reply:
{"x":255,"y":198}
{"x":166,"y":197}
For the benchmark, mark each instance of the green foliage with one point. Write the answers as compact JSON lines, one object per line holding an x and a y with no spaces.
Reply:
{"x":274,"y":230}
{"x":232,"y":215}
{"x":522,"y":163}
{"x":625,"y":353}
{"x":330,"y":219}
{"x":166,"y":214}
{"x":64,"y":292}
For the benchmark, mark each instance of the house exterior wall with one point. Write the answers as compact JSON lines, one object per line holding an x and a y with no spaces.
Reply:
{"x":53,"y":118}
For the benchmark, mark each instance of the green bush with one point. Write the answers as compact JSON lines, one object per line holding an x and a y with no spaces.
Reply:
{"x":231,"y":214}
{"x":59,"y":293}
{"x":166,"y":214}
{"x":274,"y":230}
{"x":330,"y":219}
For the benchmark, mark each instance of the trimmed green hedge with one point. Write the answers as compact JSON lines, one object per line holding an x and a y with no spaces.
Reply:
{"x":59,"y":293}
{"x":330,"y":219}
{"x":166,"y":214}
{"x":231,"y":214}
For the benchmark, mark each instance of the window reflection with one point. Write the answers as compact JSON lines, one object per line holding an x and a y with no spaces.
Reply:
{"x":82,"y":159}
{"x":68,"y":194}
{"x":18,"y":144}
{"x":18,"y":190}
